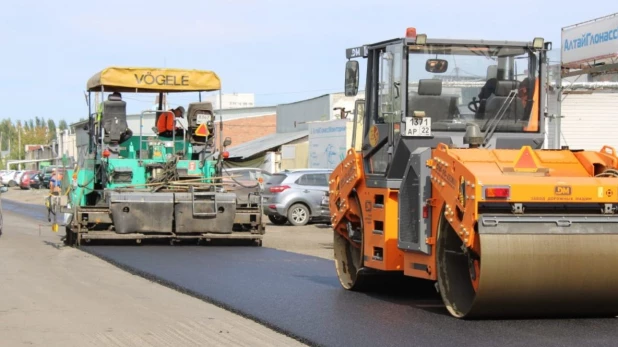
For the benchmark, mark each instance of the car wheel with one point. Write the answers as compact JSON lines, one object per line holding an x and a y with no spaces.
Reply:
{"x":12,"y":183}
{"x":277,"y":220}
{"x":298,"y":215}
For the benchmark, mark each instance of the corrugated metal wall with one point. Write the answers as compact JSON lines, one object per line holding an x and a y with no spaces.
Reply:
{"x":292,"y":117}
{"x":590,"y":120}
{"x":550,"y":122}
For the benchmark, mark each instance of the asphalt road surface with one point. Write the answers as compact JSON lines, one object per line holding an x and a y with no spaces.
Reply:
{"x":34,"y":211}
{"x":300,"y":296}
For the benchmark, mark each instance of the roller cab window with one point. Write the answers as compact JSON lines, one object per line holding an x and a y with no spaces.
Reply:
{"x":487,"y":85}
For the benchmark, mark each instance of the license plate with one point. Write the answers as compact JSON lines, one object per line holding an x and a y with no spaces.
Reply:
{"x":418,"y":126}
{"x":201,"y":118}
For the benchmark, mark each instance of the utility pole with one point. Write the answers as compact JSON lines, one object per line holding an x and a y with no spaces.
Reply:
{"x":19,"y":146}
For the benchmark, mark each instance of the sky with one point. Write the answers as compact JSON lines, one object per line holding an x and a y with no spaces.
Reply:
{"x":280,"y":50}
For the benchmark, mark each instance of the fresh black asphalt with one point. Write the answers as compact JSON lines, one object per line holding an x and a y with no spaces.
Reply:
{"x":300,"y":296}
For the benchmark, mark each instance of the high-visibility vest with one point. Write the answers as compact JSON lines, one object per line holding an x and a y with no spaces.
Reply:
{"x":99,"y":112}
{"x":165,"y":122}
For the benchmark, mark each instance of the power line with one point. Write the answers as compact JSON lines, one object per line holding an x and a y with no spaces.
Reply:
{"x":225,"y":124}
{"x":301,"y":91}
{"x":268,"y":93}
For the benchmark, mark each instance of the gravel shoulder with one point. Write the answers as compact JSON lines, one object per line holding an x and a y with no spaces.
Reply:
{"x":311,"y":239}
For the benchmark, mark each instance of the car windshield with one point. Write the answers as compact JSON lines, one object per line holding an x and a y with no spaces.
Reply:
{"x":489,"y":85}
{"x":276,"y":179}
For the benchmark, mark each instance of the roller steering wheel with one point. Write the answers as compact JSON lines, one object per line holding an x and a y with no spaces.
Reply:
{"x":475,"y":103}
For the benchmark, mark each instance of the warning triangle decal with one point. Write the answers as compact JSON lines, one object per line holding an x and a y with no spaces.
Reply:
{"x":202,"y":130}
{"x":526,"y":160}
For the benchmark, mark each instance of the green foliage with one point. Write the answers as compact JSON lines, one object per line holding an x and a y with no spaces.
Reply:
{"x":51,"y":126}
{"x":37,"y":131}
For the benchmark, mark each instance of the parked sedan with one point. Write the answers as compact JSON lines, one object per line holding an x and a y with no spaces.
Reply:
{"x":7,"y":176}
{"x":36,"y":180}
{"x":295,"y":196}
{"x":325,"y":206}
{"x":30,"y":179}
{"x":14,"y":182}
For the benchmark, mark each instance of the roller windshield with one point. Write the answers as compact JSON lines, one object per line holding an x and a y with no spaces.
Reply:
{"x":491,"y":86}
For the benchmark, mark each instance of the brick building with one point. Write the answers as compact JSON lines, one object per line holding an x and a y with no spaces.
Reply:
{"x":247,"y":129}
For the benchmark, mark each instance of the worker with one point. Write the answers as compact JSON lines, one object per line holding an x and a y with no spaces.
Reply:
{"x":53,"y":200}
{"x":55,"y":182}
{"x":166,"y":123}
{"x":522,"y":91}
{"x":524,"y":96}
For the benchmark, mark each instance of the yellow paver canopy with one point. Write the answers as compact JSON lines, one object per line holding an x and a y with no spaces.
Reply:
{"x":148,"y":80}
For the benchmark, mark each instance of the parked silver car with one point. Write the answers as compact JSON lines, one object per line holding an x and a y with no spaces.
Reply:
{"x":325,"y":207}
{"x":295,"y":196}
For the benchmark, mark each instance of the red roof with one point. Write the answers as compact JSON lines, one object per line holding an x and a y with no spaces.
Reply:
{"x":32,"y":148}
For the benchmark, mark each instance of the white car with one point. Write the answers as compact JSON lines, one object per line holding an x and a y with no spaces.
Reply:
{"x":7,"y":177}
{"x":13,"y":182}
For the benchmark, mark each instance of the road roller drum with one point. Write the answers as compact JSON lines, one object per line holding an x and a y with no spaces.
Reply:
{"x":532,"y":269}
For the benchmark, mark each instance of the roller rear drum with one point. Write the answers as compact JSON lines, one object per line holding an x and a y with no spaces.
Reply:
{"x":530,"y":269}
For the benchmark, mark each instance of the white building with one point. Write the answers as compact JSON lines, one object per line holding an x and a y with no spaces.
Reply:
{"x":586,"y":116}
{"x":233,"y":100}
{"x":66,"y":144}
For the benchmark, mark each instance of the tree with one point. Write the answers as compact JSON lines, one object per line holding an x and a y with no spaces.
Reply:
{"x":51,"y":128}
{"x":34,"y":131}
{"x":18,"y":149}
